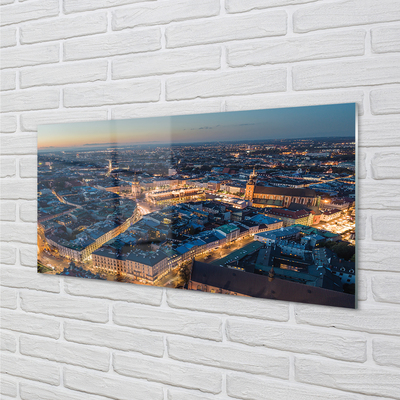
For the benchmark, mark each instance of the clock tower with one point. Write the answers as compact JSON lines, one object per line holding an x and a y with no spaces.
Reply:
{"x":250,"y":186}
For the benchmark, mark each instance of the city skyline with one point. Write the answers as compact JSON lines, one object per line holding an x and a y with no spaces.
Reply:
{"x":290,"y":123}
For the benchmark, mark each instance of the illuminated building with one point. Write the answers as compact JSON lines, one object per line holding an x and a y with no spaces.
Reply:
{"x":136,"y":189}
{"x":329,"y":215}
{"x":170,"y":197}
{"x":144,"y":265}
{"x":270,"y":196}
{"x":81,"y":251}
{"x":290,"y":217}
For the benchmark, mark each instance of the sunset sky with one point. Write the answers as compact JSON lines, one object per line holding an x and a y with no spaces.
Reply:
{"x":285,"y":123}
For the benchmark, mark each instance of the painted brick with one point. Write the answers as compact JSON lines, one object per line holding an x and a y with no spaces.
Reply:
{"x":303,"y":48}
{"x":362,"y":286}
{"x":77,"y":5}
{"x":272,"y":23}
{"x":9,"y":298}
{"x":30,"y":324}
{"x":378,"y":256}
{"x":30,"y":368}
{"x":385,"y":288}
{"x":376,"y":131}
{"x":114,"y":291}
{"x":168,"y":372}
{"x":19,"y":189}
{"x":14,"y":14}
{"x":378,"y":250}
{"x":28,"y":256}
{"x":367,"y":318}
{"x":234,"y":6}
{"x":115,"y":93}
{"x":362,"y":167}
{"x":8,"y":125}
{"x":8,"y":80}
{"x":162,"y":320}
{"x":30,"y":391}
{"x":8,"y":167}
{"x":8,"y":342}
{"x":229,"y":357}
{"x":65,"y":353}
{"x":30,"y":121}
{"x":381,"y":195}
{"x":226,"y":84}
{"x":113,"y":337}
{"x":24,"y":278}
{"x":163,"y":12}
{"x":344,"y":13}
{"x":113,"y":44}
{"x":251,"y":308}
{"x":166,"y":109}
{"x":386,"y":352}
{"x":111,"y":386}
{"x":347,"y":347}
{"x":8,"y":211}
{"x":386,"y":165}
{"x":344,"y":376}
{"x":17,"y":232}
{"x":167,"y":62}
{"x":8,"y":254}
{"x":385,"y":101}
{"x":8,"y":36}
{"x":8,"y":387}
{"x":66,"y":307}
{"x":63,"y":28}
{"x":249,"y":387}
{"x":28,"y":167}
{"x":385,"y":39}
{"x":37,"y":99}
{"x":371,"y":71}
{"x":386,"y":227}
{"x":362,"y":226}
{"x":16,"y":57}
{"x":62,"y":74}
{"x":180,"y":394}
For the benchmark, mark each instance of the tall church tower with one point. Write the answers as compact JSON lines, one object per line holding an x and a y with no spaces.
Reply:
{"x":136,"y":190}
{"x":250,"y":186}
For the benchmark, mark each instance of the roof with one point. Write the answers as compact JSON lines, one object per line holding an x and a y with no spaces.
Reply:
{"x":255,"y":285}
{"x":150,"y":258}
{"x":228,"y":228}
{"x":282,"y":191}
{"x":268,"y":202}
{"x":210,"y":238}
{"x":331,"y":211}
{"x":283,"y":212}
{"x":240,"y":253}
{"x":263,"y":219}
{"x":314,"y":209}
{"x":277,"y":233}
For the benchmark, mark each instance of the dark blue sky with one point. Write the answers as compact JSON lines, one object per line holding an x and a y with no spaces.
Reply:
{"x":282,"y":123}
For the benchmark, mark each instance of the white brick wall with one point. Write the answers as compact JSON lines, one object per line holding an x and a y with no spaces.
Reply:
{"x":74,"y":60}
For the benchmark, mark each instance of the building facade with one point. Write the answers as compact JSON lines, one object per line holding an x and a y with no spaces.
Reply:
{"x":271,"y":196}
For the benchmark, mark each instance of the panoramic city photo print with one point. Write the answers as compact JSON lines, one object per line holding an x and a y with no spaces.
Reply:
{"x":257,"y":203}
